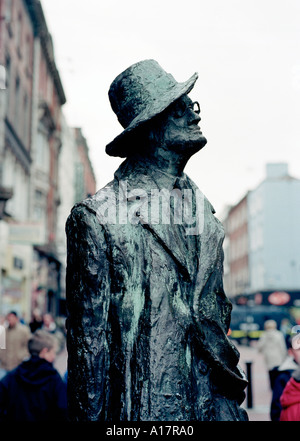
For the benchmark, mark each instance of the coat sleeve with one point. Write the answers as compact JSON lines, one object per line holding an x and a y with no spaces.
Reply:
{"x":88,"y":297}
{"x":279,"y":386}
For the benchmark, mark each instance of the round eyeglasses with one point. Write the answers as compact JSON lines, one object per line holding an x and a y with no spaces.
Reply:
{"x":180,"y":108}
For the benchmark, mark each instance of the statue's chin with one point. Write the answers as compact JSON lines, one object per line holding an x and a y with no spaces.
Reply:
{"x":202,"y":142}
{"x":190,"y":147}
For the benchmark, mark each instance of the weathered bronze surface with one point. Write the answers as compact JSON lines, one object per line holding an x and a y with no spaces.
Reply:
{"x":148,"y":316}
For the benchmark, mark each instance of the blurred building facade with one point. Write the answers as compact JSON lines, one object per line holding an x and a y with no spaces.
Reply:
{"x":76,"y":182}
{"x":236,"y":262}
{"x":263,"y":238}
{"x":33,"y":138}
{"x":85,"y":181}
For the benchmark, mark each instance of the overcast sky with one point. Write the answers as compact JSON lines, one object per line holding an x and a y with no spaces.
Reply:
{"x":247,"y":56}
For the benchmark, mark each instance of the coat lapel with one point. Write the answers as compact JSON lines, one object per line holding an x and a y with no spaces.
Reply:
{"x":172,"y":242}
{"x":195,"y":262}
{"x":169,"y":235}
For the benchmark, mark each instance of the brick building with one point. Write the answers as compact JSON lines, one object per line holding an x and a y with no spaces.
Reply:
{"x":44,"y":164}
{"x":17,"y":33}
{"x":16,"y":55}
{"x":30,"y":141}
{"x":262,"y":241}
{"x":48,"y":99}
{"x":236,"y":274}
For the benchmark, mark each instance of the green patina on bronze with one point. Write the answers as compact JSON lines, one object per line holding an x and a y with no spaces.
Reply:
{"x":148,"y":316}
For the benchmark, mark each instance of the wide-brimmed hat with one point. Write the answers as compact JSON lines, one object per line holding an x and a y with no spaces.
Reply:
{"x":140,"y":93}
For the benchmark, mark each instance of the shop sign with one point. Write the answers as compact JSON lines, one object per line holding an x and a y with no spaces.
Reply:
{"x":279,"y":298}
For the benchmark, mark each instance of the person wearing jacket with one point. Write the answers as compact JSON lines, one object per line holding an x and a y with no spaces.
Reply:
{"x":284,"y":373}
{"x":16,"y":339}
{"x":273,"y":347}
{"x":35,"y":391}
{"x":290,"y":399}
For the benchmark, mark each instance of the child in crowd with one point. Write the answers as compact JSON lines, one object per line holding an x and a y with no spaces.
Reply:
{"x":35,"y":391}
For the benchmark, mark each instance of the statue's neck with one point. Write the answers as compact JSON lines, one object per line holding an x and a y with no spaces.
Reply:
{"x":163,"y":160}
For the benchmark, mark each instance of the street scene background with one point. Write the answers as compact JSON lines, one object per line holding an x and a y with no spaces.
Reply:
{"x":258,"y":408}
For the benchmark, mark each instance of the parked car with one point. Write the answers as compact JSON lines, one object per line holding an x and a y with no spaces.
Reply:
{"x":247,"y":322}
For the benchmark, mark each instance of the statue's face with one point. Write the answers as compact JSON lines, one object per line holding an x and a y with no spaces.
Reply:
{"x":180,"y":130}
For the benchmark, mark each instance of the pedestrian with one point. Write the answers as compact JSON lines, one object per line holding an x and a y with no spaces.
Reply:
{"x":290,"y":399}
{"x":50,"y":325}
{"x":284,"y":372}
{"x":16,"y":341}
{"x":273,"y":347}
{"x":37,"y":320}
{"x":35,"y":391}
{"x":285,"y":328}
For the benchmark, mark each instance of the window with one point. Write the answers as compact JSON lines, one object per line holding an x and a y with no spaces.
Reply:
{"x":39,"y":205}
{"x":42,"y":151}
{"x":18,"y":263}
{"x":26,"y":121}
{"x":7,"y":92}
{"x":17,"y":103}
{"x":27,"y":55}
{"x":8,"y":6}
{"x":19,"y":26}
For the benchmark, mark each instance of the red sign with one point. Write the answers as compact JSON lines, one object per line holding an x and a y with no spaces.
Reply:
{"x":279,"y":298}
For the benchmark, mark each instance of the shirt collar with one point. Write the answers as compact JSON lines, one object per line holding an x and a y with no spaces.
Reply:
{"x":138,"y":175}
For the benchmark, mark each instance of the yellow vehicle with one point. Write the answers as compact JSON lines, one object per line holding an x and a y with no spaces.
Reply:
{"x":247,"y":322}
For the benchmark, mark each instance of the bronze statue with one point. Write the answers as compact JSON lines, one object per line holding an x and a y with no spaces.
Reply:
{"x":147,"y":314}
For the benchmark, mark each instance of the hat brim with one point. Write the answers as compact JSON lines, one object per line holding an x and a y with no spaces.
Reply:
{"x":117,"y":147}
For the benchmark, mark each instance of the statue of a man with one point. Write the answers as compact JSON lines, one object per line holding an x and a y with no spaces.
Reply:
{"x":148,"y":316}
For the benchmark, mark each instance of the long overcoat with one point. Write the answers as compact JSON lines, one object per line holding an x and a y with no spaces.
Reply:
{"x":147,"y":314}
